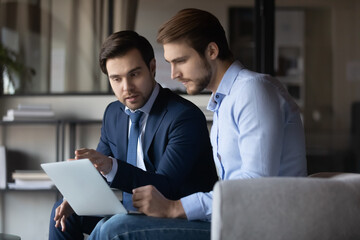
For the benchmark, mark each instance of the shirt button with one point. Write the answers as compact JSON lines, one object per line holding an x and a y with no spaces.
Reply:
{"x":216,"y":96}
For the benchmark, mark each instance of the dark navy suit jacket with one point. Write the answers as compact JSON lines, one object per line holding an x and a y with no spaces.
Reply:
{"x":177,"y":149}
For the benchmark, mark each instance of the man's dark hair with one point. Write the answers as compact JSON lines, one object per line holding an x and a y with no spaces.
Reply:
{"x":197,"y":28}
{"x":119,"y":43}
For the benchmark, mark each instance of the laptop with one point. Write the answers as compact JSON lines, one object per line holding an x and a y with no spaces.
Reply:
{"x":84,"y":188}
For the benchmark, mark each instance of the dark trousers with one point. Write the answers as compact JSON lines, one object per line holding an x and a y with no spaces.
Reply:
{"x":76,"y":225}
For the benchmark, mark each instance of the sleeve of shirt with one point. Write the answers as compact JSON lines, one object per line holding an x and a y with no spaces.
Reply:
{"x":260,"y":122}
{"x":198,"y":206}
{"x":110,"y":176}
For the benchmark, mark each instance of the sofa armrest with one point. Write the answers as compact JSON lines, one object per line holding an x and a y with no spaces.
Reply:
{"x":287,"y":208}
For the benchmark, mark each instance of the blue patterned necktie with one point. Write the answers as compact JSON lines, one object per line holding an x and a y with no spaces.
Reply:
{"x":132,"y":152}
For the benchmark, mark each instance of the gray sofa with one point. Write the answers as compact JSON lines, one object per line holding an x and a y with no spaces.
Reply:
{"x":322,"y":206}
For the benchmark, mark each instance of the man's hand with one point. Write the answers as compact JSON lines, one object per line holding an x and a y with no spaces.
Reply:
{"x":101,"y":162}
{"x":152,"y":203}
{"x":62,"y":212}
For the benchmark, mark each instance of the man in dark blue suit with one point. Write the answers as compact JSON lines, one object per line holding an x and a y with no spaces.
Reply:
{"x":173,"y":150}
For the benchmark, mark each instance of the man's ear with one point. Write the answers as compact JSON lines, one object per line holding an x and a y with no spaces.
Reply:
{"x":212,"y":51}
{"x":153,"y":67}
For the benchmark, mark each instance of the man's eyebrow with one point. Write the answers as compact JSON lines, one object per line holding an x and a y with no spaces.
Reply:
{"x":134,"y":69}
{"x":114,"y":75}
{"x":131,"y":71}
{"x":179,"y":59}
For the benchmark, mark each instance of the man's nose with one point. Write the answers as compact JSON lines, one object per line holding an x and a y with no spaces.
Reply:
{"x":127,"y":84}
{"x":175,"y":73}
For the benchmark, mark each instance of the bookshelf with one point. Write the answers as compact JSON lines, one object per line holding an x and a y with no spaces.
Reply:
{"x":30,"y":143}
{"x":74,"y":130}
{"x":60,"y":136}
{"x":23,"y":139}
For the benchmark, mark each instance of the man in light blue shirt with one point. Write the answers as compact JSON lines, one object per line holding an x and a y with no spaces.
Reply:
{"x":256,"y":132}
{"x":257,"y":129}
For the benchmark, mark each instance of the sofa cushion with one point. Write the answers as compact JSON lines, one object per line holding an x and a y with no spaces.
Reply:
{"x":287,"y":208}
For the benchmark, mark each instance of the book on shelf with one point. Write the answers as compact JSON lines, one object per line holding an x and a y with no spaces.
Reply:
{"x":34,"y":107}
{"x":30,"y":179}
{"x":3,"y":167}
{"x":30,"y":175}
{"x":32,"y":118}
{"x":29,"y":112}
{"x":31,"y":185}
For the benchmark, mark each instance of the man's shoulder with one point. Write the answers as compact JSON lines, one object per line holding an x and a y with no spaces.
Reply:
{"x":115,"y":104}
{"x":114,"y":107}
{"x":174,"y":100}
{"x":247,"y":80}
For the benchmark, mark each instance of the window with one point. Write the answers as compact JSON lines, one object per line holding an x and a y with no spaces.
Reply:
{"x":50,"y":46}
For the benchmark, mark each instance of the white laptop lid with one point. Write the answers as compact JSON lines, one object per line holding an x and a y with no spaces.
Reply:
{"x":83,"y":187}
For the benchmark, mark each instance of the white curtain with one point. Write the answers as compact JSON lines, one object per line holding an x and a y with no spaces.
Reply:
{"x":60,"y":41}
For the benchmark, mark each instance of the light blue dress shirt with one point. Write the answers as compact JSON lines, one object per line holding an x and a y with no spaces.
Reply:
{"x":257,"y":132}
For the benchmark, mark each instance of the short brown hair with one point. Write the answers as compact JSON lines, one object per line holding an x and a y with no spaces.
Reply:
{"x":198,"y":28}
{"x":119,"y":43}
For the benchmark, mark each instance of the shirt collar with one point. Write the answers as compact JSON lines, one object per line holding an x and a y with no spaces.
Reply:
{"x":225,"y":86}
{"x":148,"y":105}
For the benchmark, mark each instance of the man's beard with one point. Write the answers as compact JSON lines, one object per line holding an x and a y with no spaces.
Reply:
{"x":201,"y":83}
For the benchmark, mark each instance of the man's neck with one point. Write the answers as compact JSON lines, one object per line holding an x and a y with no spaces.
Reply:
{"x":149,"y":103}
{"x":219,"y":70}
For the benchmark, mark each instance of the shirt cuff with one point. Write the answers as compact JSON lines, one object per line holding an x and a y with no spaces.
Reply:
{"x":192,"y":207}
{"x":111,"y":175}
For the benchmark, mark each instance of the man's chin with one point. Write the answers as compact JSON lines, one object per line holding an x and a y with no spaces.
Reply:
{"x":193,"y":91}
{"x":134,"y":106}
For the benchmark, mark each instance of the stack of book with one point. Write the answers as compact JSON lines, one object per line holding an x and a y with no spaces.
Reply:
{"x":30,"y":112}
{"x":30,"y":179}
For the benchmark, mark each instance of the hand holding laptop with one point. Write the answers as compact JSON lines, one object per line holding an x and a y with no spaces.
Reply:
{"x":84,"y":188}
{"x":101,"y":162}
{"x":65,"y":210}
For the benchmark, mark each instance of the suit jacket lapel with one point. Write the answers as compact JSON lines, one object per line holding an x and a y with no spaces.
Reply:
{"x":122,"y":125}
{"x":157,"y":113}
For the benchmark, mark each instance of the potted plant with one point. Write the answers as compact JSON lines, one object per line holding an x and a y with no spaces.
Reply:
{"x":10,"y":66}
